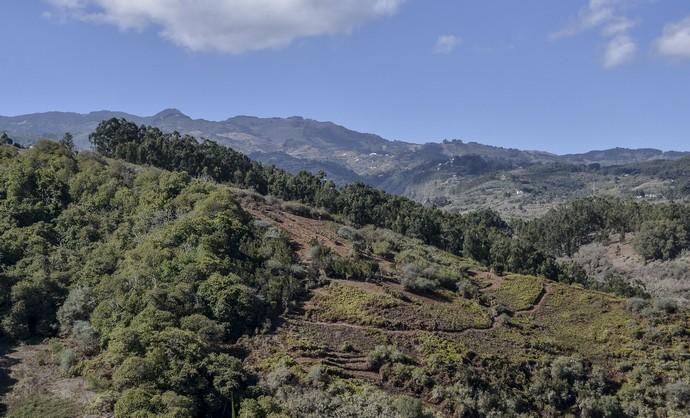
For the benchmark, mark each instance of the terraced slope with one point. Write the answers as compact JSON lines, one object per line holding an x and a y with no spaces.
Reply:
{"x":498,"y":328}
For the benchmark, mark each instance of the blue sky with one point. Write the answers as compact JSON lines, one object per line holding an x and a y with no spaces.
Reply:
{"x":561,"y":76}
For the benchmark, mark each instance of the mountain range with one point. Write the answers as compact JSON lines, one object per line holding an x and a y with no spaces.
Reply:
{"x":454,"y":173}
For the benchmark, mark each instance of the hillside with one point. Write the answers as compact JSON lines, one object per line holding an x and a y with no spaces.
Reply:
{"x":196,"y":288}
{"x":471,"y":183}
{"x":456,"y":175}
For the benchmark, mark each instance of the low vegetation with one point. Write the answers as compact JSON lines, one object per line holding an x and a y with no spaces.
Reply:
{"x":519,"y":292}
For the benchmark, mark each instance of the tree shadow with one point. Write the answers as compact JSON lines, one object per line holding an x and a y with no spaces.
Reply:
{"x":6,"y":381}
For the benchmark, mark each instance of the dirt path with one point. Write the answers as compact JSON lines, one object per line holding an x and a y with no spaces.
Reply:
{"x":369,"y":328}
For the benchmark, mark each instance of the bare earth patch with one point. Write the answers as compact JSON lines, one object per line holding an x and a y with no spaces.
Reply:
{"x":30,"y":372}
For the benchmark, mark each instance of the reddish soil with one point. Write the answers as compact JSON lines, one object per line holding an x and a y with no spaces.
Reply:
{"x":488,"y":281}
{"x":300,"y":229}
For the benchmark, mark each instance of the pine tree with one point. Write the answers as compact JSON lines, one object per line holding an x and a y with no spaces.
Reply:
{"x":67,"y":141}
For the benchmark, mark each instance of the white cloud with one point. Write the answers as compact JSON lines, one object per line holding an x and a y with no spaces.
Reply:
{"x":675,"y":40}
{"x":620,"y":50}
{"x":446,"y":44}
{"x":597,"y":13}
{"x":605,"y":16}
{"x":617,"y":26}
{"x":231,"y":26}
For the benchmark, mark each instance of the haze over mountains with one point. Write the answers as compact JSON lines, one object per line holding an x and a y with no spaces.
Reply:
{"x":449,"y":173}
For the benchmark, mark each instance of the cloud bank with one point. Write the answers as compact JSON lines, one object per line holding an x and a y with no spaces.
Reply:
{"x":231,"y":26}
{"x":675,"y":40}
{"x":607,"y":17}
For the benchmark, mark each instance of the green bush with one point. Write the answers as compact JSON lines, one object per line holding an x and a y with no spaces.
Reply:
{"x":384,"y":354}
{"x":317,"y":377}
{"x":409,"y":407}
{"x":349,"y":233}
{"x":661,"y":239}
{"x":85,"y":336}
{"x":666,"y":305}
{"x":134,"y":371}
{"x":67,"y":360}
{"x":419,"y":284}
{"x":78,"y":306}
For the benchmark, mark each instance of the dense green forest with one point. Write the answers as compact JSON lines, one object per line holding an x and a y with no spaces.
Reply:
{"x":154,"y":266}
{"x":149,"y":275}
{"x":524,"y":247}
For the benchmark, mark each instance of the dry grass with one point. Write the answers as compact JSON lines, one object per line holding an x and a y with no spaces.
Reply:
{"x":619,"y":259}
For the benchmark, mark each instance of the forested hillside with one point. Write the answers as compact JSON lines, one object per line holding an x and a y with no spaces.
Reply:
{"x":179,"y":278}
{"x":531,"y":247}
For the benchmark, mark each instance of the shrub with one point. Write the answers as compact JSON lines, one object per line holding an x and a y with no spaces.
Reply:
{"x":67,"y":360}
{"x":348,"y":233}
{"x":503,"y":320}
{"x":347,"y":347}
{"x":666,"y":305}
{"x":467,"y":289}
{"x":85,"y":336}
{"x":597,"y":406}
{"x":273,"y":233}
{"x":383,"y":354}
{"x":305,"y":211}
{"x":145,"y":402}
{"x":263,"y":407}
{"x":678,"y":395}
{"x":135,"y":402}
{"x":567,"y":369}
{"x":408,"y":407}
{"x":261,"y":224}
{"x":411,"y":270}
{"x":636,"y":305}
{"x":383,"y":249}
{"x":104,"y":403}
{"x":317,"y":376}
{"x":319,"y":254}
{"x":78,"y":306}
{"x":134,"y":371}
{"x":279,"y":377}
{"x":419,"y":284}
{"x":352,"y":269}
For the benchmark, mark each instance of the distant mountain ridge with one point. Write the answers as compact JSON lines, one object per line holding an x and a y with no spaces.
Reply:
{"x":301,"y":138}
{"x":426,"y":172}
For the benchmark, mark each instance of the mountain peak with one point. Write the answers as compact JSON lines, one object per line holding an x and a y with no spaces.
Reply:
{"x":170,"y":113}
